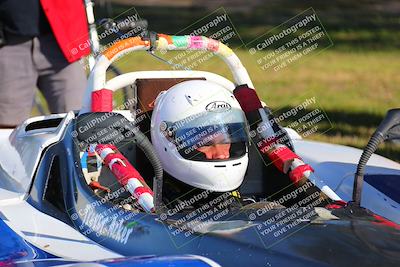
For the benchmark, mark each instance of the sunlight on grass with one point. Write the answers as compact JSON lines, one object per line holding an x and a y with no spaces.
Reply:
{"x":346,"y":85}
{"x":355,"y":89}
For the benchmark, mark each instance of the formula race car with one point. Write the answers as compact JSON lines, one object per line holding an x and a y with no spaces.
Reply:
{"x":60,"y":203}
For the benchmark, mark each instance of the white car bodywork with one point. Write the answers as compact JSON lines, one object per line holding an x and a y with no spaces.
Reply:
{"x":334,"y":164}
{"x":20,"y":153}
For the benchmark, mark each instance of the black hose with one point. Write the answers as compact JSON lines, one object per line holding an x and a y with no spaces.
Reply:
{"x":371,"y":147}
{"x":146,"y":146}
{"x":384,"y":131}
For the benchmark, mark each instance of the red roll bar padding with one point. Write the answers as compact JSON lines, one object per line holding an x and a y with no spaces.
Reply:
{"x":247,"y":98}
{"x":297,"y":174}
{"x":127,"y":175}
{"x":141,"y":190}
{"x":102,"y":101}
{"x":281,"y":155}
{"x":121,"y":167}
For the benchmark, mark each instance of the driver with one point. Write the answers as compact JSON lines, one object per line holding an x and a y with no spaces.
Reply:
{"x":200,"y":134}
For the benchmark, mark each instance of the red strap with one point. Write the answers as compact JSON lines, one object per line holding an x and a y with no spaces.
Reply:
{"x":281,"y":155}
{"x":247,"y":98}
{"x":102,"y":101}
{"x":298,"y":173}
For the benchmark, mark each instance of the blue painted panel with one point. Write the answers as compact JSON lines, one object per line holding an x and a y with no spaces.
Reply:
{"x":13,"y":247}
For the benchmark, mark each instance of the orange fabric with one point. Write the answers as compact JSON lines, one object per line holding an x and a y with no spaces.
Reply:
{"x":167,"y":37}
{"x":124,"y":44}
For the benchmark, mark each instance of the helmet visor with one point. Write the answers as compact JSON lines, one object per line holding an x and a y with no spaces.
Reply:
{"x":211,"y":135}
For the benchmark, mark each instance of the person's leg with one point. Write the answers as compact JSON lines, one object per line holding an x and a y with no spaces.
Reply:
{"x":17,"y":82}
{"x":62,"y":84}
{"x":64,"y":89}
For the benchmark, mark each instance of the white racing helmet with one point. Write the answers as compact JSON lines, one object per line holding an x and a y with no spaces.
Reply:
{"x":200,"y":134}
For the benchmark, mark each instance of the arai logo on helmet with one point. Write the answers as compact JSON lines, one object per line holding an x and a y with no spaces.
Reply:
{"x":218,"y":106}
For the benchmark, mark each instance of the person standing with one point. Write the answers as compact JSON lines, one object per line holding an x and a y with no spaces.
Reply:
{"x":40,"y":45}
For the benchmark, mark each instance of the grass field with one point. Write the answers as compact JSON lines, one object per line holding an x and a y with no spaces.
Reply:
{"x":354,"y":82}
{"x":354,"y":89}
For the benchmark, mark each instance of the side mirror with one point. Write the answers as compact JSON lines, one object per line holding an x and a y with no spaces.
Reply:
{"x":389,"y":129}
